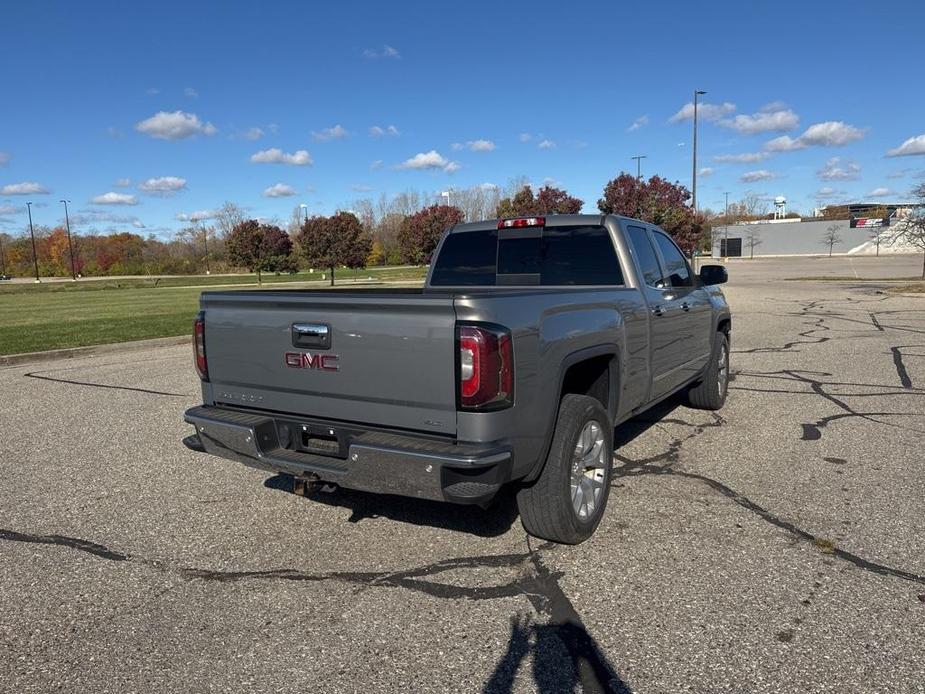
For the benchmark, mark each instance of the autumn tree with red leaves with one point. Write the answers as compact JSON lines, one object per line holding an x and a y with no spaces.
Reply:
{"x":420,"y":232}
{"x":548,"y":200}
{"x":337,"y":240}
{"x":657,"y":201}
{"x":259,"y":247}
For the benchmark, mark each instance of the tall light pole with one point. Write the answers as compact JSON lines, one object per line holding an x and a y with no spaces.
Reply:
{"x":697,"y":92}
{"x":70,"y":247}
{"x":35,"y":258}
{"x":638,"y":157}
{"x":726,"y":226}
{"x":205,"y":243}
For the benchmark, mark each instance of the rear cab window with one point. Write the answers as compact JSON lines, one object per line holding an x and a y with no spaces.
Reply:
{"x":580,"y":255}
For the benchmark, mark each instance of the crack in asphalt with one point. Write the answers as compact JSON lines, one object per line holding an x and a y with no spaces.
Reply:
{"x":37,"y":375}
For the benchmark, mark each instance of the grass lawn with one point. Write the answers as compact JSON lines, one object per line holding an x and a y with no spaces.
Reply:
{"x":40,"y":317}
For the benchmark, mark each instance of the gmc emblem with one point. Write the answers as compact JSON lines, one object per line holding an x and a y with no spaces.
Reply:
{"x":304,"y":360}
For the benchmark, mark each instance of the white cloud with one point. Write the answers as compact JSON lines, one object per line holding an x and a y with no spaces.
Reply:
{"x":4,"y":158}
{"x":176,"y":125}
{"x":546,"y":144}
{"x":114,"y":199}
{"x":280,"y":190}
{"x":898,"y":174}
{"x":765,"y":121}
{"x":838,"y":169}
{"x":11,"y":209}
{"x":744,"y":158}
{"x":360,"y":188}
{"x":912,"y":146}
{"x":881,"y":193}
{"x":759,"y":175}
{"x":379,"y":131}
{"x":165,"y":185}
{"x":525,"y":137}
{"x":93,"y":217}
{"x":706,"y":171}
{"x":336,"y":132}
{"x":123,"y":182}
{"x":254,"y":133}
{"x":489,"y":186}
{"x":831,"y":133}
{"x":423,"y":161}
{"x":386,"y":52}
{"x":152,"y":91}
{"x":376,"y":164}
{"x":197,"y":216}
{"x":24,"y":188}
{"x":191,"y":93}
{"x":827,"y":193}
{"x":114,"y":133}
{"x":480,"y":145}
{"x":705,"y":111}
{"x":639,"y":123}
{"x":275,"y":155}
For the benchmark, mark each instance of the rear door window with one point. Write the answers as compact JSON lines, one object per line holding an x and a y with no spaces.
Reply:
{"x":579,"y":256}
{"x":645,"y":256}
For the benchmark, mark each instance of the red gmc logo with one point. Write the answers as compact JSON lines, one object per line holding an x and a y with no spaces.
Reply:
{"x":304,"y":360}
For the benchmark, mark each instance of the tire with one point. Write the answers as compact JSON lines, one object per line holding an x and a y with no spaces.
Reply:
{"x":547,"y":507}
{"x":710,"y":393}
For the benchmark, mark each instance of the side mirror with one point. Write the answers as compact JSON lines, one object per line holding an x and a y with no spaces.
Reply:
{"x":713,"y":274}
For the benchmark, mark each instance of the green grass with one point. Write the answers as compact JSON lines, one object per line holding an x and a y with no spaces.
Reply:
{"x":380,"y":274}
{"x":42,"y":317}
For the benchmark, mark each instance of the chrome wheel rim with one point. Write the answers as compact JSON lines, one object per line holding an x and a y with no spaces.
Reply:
{"x":722,"y":369}
{"x":589,"y":470}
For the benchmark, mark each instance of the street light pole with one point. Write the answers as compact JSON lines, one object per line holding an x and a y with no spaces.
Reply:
{"x":70,"y":247}
{"x":697,"y":93}
{"x":638,"y":157}
{"x":205,"y":243}
{"x":726,"y":226}
{"x":35,"y":258}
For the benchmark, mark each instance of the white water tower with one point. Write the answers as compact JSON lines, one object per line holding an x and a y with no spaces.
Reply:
{"x":780,"y":207}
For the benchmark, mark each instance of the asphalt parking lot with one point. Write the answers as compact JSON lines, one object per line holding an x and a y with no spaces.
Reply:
{"x":775,"y":546}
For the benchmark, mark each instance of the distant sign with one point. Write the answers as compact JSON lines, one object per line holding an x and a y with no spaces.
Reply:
{"x":868,"y":222}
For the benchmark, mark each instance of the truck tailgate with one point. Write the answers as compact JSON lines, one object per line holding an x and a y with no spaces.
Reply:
{"x":395,"y":362}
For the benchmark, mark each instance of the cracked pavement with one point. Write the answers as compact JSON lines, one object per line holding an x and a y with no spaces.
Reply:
{"x":775,"y":546}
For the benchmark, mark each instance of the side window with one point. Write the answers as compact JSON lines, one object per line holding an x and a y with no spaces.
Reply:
{"x":645,"y":256}
{"x":675,"y":265}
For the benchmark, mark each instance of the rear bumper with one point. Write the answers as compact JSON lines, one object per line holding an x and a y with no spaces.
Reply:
{"x":366,"y":460}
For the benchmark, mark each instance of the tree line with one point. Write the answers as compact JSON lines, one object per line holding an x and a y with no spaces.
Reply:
{"x":403,"y":228}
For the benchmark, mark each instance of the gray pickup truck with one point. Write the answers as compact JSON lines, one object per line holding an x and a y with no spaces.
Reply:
{"x":530,"y":341}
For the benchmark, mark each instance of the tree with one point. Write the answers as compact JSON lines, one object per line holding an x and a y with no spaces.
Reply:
{"x":911,"y":230}
{"x":752,"y":238}
{"x":831,"y":237}
{"x":331,"y":241}
{"x":549,"y":200}
{"x":376,"y":254}
{"x":228,"y":217}
{"x":420,"y":232}
{"x":657,"y":201}
{"x":259,"y":247}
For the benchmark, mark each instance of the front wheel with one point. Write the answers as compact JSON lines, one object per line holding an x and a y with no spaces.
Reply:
{"x":566,"y":503}
{"x":710,"y":393}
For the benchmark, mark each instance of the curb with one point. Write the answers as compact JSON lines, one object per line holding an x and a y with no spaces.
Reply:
{"x":92,"y":350}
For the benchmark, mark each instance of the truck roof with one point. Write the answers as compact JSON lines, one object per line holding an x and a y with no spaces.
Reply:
{"x":551,"y":220}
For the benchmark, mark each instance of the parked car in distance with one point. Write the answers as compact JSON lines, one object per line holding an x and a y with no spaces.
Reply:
{"x":6,"y":277}
{"x":530,"y":341}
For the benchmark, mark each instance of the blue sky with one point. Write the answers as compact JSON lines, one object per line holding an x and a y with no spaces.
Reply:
{"x":143,"y":115}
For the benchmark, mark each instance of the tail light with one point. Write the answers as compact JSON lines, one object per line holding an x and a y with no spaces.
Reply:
{"x":486,"y":367}
{"x":199,"y":346}
{"x":521,"y":222}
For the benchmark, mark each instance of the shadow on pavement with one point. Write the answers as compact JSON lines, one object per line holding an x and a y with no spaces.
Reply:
{"x":493,"y":521}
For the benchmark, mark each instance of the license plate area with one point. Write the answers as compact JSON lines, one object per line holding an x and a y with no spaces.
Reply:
{"x":323,"y":440}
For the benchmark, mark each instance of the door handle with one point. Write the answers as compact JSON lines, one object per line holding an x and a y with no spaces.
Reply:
{"x":311,"y":335}
{"x":657,"y":311}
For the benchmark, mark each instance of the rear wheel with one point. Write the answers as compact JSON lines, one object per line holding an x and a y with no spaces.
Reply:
{"x":710,"y":394}
{"x":566,"y":503}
